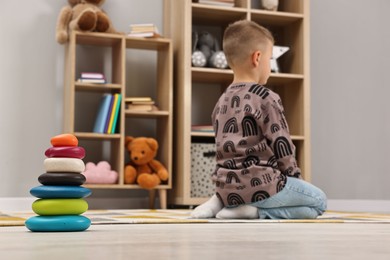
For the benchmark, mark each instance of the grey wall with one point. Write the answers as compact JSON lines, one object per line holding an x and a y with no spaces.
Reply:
{"x":350,"y":98}
{"x":31,"y":69}
{"x":349,"y":94}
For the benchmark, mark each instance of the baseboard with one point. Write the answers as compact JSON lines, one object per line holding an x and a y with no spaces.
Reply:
{"x":16,"y":204}
{"x":119,"y":203}
{"x":379,"y":206}
{"x":24,"y":204}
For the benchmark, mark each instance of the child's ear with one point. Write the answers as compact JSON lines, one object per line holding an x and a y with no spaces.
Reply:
{"x":256,"y":56}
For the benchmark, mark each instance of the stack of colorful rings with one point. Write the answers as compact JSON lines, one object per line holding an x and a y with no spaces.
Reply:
{"x":60,"y":200}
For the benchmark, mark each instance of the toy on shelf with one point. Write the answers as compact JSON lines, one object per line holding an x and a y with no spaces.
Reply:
{"x":60,"y":200}
{"x":143,"y":169}
{"x":206,"y":51}
{"x":84,"y":16}
{"x":100,"y":173}
{"x":277,"y":51}
{"x":270,"y":5}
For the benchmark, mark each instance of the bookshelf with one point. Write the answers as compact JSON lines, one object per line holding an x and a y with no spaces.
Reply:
{"x":290,"y":27}
{"x":81,"y":100}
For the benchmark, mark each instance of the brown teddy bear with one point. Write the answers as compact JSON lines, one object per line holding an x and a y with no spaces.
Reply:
{"x":82,"y":15}
{"x":143,"y":168}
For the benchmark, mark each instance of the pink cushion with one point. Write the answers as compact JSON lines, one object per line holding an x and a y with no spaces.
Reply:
{"x":100,"y":173}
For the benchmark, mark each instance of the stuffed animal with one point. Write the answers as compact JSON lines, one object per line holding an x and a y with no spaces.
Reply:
{"x":206,"y":51}
{"x":84,"y":16}
{"x":143,"y":168}
{"x":270,"y":5}
{"x":100,"y":173}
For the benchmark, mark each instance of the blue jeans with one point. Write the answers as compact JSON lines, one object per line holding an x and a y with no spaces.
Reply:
{"x":298,"y":200}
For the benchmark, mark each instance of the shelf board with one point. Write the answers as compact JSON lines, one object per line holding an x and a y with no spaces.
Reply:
{"x":153,"y":114}
{"x":284,"y":78}
{"x":100,"y":39}
{"x":298,"y":138}
{"x":202,"y":134}
{"x":108,"y":39}
{"x":209,"y":14}
{"x":147,"y":43}
{"x":275,"y":18}
{"x":96,"y":136}
{"x":122,"y":186}
{"x":211,"y":75}
{"x":97,"y":87}
{"x":225,"y":76}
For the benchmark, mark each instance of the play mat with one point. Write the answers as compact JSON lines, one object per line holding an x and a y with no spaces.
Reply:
{"x":139,"y":216}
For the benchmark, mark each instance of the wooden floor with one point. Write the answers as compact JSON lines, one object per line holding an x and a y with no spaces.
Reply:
{"x":202,"y":241}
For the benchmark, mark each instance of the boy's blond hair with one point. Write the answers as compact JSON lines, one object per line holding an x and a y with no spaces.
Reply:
{"x":242,"y":38}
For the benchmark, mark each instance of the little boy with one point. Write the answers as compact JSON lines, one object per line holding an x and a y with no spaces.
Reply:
{"x":257,"y":175}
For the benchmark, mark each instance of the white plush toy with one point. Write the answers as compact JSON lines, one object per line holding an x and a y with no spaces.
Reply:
{"x":218,"y":60}
{"x":271,"y":5}
{"x":198,"y":59}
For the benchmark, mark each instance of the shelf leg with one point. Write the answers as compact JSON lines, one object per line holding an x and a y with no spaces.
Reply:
{"x":152,"y":197}
{"x":163,"y":198}
{"x":163,"y":194}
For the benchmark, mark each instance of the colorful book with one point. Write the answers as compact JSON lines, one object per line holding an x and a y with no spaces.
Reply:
{"x":144,"y":30}
{"x":138,"y":99}
{"x":86,"y":80}
{"x":146,"y":108}
{"x":112,"y":113}
{"x":92,"y":75}
{"x":102,"y":114}
{"x":144,"y":34}
{"x":116,"y":113}
{"x":108,"y":116}
{"x":143,"y":27}
{"x":227,"y":3}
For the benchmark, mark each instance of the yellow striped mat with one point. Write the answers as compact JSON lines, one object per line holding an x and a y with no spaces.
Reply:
{"x":170,"y":216}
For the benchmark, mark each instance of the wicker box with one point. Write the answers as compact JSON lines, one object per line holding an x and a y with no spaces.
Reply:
{"x":202,"y":167}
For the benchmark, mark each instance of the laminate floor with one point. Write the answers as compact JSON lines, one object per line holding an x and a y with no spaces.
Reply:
{"x":202,"y":241}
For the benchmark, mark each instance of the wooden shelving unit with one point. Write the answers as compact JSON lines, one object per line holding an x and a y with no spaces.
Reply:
{"x":78,"y":120}
{"x":290,"y":27}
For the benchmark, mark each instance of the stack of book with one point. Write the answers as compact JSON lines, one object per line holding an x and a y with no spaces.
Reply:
{"x":227,"y":3}
{"x":140,"y":104}
{"x":92,"y":77}
{"x":147,"y":30}
{"x":107,"y":117}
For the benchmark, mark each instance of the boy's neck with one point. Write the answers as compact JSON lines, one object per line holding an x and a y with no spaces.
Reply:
{"x":241,"y":78}
{"x":244,"y":75}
